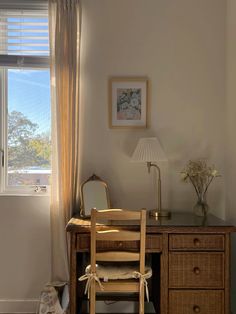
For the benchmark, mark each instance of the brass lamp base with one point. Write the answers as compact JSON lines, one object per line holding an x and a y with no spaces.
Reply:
{"x":159,"y":213}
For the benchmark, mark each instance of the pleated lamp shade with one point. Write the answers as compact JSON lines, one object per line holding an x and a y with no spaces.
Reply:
{"x":148,"y":150}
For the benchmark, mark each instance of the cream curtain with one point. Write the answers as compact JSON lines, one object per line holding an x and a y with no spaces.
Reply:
{"x":64,"y":48}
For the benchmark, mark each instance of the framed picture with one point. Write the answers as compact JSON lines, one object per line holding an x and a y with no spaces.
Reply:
{"x":128,"y":102}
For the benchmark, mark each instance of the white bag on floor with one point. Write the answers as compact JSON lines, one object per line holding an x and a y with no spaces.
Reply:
{"x":50,"y":300}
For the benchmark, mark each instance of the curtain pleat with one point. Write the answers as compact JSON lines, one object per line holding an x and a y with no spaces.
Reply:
{"x":64,"y":52}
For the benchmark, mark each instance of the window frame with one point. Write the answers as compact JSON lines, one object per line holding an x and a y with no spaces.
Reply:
{"x":16,"y":62}
{"x":4,"y":187}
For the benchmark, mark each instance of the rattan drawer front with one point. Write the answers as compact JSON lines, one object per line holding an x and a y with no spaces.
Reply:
{"x":153,"y":243}
{"x":196,"y":242}
{"x":196,"y":270}
{"x":198,"y":301}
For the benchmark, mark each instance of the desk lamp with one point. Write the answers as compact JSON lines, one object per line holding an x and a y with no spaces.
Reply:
{"x":149,"y":150}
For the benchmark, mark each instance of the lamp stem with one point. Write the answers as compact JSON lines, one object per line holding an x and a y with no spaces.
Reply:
{"x":158,"y":213}
{"x":150,"y":164}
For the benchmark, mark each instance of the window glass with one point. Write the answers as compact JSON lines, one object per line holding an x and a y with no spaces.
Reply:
{"x":28,"y":127}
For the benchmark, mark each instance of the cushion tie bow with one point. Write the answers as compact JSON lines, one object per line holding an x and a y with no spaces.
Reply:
{"x":90,"y":277}
{"x":143,"y":281}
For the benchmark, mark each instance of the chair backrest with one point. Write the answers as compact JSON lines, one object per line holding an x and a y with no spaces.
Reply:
{"x":118,"y":234}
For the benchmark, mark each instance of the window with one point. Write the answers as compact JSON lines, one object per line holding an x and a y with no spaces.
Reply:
{"x":24,"y":97}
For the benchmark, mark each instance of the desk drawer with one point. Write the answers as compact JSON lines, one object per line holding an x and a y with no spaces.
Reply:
{"x":196,"y":242}
{"x":153,"y":243}
{"x":196,"y":270}
{"x":198,"y":301}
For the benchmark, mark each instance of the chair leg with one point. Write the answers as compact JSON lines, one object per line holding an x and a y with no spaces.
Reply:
{"x":92,"y":301}
{"x":141,"y":300}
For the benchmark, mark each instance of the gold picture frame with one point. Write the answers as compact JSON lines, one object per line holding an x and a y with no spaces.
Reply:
{"x":128,"y":102}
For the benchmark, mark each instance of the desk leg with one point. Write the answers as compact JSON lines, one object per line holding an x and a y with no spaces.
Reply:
{"x":156,"y":282}
{"x":164,"y":275}
{"x":73,"y":275}
{"x":227,"y":274}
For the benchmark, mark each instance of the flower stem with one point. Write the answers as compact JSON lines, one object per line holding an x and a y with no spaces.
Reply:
{"x":198,"y":193}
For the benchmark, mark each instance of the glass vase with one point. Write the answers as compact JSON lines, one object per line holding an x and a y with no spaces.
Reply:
{"x":201,"y":208}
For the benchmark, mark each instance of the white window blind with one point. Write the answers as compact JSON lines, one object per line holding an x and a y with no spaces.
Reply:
{"x":24,"y":33}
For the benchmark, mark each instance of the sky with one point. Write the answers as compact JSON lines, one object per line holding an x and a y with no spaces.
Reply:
{"x":29,"y":93}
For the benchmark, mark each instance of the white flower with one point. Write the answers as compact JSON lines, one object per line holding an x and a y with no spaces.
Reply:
{"x":214,"y":173}
{"x":184,"y":176}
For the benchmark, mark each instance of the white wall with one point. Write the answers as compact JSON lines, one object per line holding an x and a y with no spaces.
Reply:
{"x":24,"y":250}
{"x":180,"y":46}
{"x":231,"y":131}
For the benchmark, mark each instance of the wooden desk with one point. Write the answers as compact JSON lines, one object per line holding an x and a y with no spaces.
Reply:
{"x":190,"y":260}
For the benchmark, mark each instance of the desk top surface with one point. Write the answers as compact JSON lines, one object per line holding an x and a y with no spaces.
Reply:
{"x":179,"y":222}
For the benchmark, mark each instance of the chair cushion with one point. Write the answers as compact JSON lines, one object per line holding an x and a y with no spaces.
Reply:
{"x":112,"y":271}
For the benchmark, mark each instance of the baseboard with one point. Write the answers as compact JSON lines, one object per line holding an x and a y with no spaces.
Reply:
{"x":23,"y":306}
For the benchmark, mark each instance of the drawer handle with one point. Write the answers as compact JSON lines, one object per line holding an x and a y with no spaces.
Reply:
{"x":196,"y":309}
{"x":196,"y":242}
{"x":196,"y":270}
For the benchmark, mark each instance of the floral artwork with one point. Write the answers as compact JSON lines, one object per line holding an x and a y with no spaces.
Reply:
{"x":128,"y":102}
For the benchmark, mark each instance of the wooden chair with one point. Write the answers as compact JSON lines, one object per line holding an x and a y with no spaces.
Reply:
{"x":136,"y":279}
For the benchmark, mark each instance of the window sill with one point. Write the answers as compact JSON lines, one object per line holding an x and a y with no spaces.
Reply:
{"x":24,"y":194}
